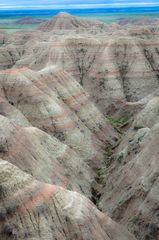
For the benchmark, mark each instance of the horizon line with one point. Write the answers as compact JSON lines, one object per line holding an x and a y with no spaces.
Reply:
{"x":79,"y":6}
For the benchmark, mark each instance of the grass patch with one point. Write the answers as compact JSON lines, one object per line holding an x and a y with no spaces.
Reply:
{"x":108,"y":158}
{"x":119,"y":122}
{"x":101,"y":175}
{"x":108,"y":155}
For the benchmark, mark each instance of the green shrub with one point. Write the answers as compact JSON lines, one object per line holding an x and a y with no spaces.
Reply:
{"x":108,"y":155}
{"x":120,"y":121}
{"x":137,"y":127}
{"x":120,"y":157}
{"x":2,"y":191}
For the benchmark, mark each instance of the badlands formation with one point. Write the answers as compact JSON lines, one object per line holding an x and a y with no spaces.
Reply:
{"x":79,"y":131}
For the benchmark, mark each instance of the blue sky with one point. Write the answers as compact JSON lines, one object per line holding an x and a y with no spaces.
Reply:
{"x":56,"y":4}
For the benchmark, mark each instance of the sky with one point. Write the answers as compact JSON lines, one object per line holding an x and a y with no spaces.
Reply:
{"x":62,"y":4}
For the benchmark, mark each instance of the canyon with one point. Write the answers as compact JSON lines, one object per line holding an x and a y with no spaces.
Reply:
{"x":79,"y":130}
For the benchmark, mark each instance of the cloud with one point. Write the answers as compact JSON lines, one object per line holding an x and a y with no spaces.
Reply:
{"x":64,"y":4}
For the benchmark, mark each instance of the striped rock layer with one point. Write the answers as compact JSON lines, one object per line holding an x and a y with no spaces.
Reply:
{"x":65,"y":21}
{"x":131,"y":195}
{"x":113,"y":66}
{"x":34,"y":210}
{"x":51,"y":129}
{"x":57,"y":84}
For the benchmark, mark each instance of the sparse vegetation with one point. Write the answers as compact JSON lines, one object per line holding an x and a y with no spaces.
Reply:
{"x":12,"y":208}
{"x":2,"y":191}
{"x":4,"y":147}
{"x":137,"y":127}
{"x":101,"y":173}
{"x":102,"y":83}
{"x":119,"y":122}
{"x":108,"y":155}
{"x":120,"y":157}
{"x":42,"y":208}
{"x":8,"y":230}
{"x":2,"y":213}
{"x":153,"y":230}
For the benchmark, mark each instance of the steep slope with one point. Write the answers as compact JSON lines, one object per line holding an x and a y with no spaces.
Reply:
{"x":73,"y":132}
{"x":34,"y":210}
{"x":57,"y":104}
{"x":131,"y":187}
{"x":12,"y":113}
{"x":44,"y":157}
{"x":8,"y":56}
{"x":65,"y":21}
{"x":111,"y":68}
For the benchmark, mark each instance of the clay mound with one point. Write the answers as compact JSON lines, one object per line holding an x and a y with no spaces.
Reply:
{"x":12,"y":113}
{"x":131,"y":195}
{"x":34,"y":210}
{"x":114,"y":70}
{"x":65,"y":21}
{"x":111,"y":71}
{"x":54,"y":102}
{"x":8,"y":56}
{"x":73,"y":132}
{"x":44,"y":157}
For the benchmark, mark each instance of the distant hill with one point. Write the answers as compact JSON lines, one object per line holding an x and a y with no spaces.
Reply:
{"x":30,"y":20}
{"x":66,"y":21}
{"x":137,"y":21}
